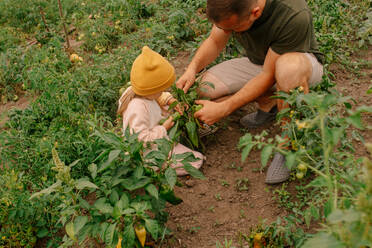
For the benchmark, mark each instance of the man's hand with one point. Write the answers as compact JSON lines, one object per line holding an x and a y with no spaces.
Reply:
{"x":186,"y":80}
{"x":211,"y":111}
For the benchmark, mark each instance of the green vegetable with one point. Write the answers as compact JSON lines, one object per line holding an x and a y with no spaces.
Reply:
{"x":197,"y":107}
{"x":176,"y":116}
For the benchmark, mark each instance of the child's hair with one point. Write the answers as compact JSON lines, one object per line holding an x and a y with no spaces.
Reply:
{"x":124,"y":100}
{"x":151,"y":73}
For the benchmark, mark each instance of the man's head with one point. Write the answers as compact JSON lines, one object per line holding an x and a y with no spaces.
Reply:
{"x":234,"y":15}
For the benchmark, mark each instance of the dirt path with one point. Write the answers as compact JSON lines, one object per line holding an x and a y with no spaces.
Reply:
{"x":22,"y":103}
{"x":215,"y":209}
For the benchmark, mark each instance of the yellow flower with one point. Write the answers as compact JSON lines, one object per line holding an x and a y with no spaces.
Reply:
{"x":81,"y":36}
{"x":301,"y":89}
{"x":3,"y":237}
{"x":301,"y":125}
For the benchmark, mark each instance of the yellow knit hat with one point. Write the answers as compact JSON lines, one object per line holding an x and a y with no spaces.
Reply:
{"x":151,"y":73}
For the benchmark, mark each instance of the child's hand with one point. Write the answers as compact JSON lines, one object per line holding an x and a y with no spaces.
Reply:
{"x":179,"y":108}
{"x":168,"y":123}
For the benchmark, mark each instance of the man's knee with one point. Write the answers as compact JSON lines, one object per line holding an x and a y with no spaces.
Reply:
{"x":211,"y":87}
{"x":292,"y":70}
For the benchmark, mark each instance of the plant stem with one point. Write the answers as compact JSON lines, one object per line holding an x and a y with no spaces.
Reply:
{"x":325,"y":152}
{"x":43,"y":18}
{"x":63,"y":23}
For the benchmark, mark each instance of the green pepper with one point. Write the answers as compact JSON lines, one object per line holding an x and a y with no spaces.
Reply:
{"x":197,"y":107}
{"x":176,"y":116}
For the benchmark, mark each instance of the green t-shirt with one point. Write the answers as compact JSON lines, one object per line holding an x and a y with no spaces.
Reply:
{"x":285,"y":26}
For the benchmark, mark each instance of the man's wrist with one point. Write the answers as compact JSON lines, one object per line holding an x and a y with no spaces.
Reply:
{"x":227,"y":107}
{"x":191,"y":69}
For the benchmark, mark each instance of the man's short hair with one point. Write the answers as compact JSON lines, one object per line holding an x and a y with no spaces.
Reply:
{"x":218,"y":10}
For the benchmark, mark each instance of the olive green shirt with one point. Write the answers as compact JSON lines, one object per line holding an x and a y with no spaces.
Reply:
{"x":284,"y":26}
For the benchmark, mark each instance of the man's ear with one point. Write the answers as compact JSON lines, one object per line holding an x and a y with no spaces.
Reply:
{"x":256,"y":12}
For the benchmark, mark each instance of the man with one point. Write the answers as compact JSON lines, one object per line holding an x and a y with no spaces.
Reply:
{"x":278,"y":38}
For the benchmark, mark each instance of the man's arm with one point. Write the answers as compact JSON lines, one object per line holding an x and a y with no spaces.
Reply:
{"x":212,"y":111}
{"x":208,"y":52}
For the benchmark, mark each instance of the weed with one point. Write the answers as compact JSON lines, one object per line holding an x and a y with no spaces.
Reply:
{"x":225,"y":183}
{"x":211,"y":209}
{"x":194,"y":229}
{"x":218,"y":197}
{"x":242,"y":184}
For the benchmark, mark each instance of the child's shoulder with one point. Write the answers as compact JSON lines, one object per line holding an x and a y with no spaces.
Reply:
{"x":139,"y":102}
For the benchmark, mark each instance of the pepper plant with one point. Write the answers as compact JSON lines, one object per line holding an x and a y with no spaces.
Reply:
{"x":186,"y":125}
{"x":316,"y":139}
{"x":126,"y":191}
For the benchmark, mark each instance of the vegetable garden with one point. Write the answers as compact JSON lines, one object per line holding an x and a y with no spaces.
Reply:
{"x":70,"y":178}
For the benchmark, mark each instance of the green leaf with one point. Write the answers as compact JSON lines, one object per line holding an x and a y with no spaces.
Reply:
{"x":152,"y":190}
{"x":116,"y":213}
{"x":246,"y":150}
{"x":109,"y":234}
{"x":355,"y":120}
{"x":168,"y":195}
{"x":327,"y":208}
{"x":48,"y":190}
{"x":152,"y":227}
{"x":42,"y":233}
{"x":131,"y":184}
{"x":265,"y":154}
{"x":141,"y":206}
{"x":314,"y":212}
{"x":83,"y":203}
{"x":112,"y":156}
{"x":328,"y":100}
{"x":138,"y":172}
{"x":336,"y":134}
{"x":93,"y":170}
{"x":70,"y":230}
{"x":192,"y":132}
{"x":173,"y":134}
{"x":245,"y":140}
{"x":79,"y":223}
{"x":103,"y":207}
{"x":171,"y":176}
{"x":193,"y":171}
{"x":323,"y":240}
{"x":84,"y":183}
{"x":318,"y":182}
{"x":307,"y":216}
{"x":114,"y":197}
{"x":290,"y":160}
{"x":102,"y":230}
{"x":129,"y":236}
{"x":124,"y":201}
{"x":347,"y":216}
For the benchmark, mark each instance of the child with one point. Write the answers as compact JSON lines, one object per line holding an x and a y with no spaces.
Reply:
{"x":141,"y":103}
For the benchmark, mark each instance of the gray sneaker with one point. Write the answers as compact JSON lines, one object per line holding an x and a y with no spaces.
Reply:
{"x":277,"y":171}
{"x":257,"y":119}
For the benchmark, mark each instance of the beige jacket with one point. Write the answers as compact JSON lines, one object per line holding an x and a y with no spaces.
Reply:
{"x":142,"y":116}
